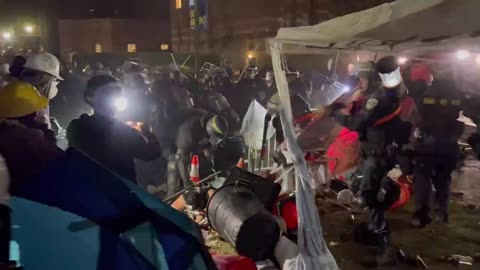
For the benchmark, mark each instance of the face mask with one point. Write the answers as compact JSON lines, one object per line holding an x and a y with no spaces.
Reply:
{"x":391,"y":80}
{"x":53,"y":90}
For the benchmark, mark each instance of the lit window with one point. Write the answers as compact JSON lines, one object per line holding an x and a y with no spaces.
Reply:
{"x":132,"y":48}
{"x":98,"y":48}
{"x":178,"y":4}
{"x":164,"y":47}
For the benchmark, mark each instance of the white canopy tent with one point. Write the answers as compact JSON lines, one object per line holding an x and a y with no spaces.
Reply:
{"x":397,"y":26}
{"x":393,"y":27}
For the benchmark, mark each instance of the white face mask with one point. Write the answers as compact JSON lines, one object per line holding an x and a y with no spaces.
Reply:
{"x":393,"y":79}
{"x":53,"y":90}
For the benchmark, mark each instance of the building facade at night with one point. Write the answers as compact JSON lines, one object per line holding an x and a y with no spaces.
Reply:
{"x":118,"y":36}
{"x":235,"y":29}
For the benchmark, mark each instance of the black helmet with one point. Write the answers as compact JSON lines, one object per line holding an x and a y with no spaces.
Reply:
{"x":217,"y":127}
{"x":387,"y":64}
{"x":101,"y":83}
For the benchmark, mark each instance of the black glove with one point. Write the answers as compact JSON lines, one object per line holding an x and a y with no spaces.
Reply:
{"x":381,"y":195}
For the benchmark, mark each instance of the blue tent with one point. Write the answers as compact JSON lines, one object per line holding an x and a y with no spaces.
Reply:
{"x":78,"y":215}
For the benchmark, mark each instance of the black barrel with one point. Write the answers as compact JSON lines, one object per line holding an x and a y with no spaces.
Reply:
{"x":237,"y":214}
{"x":266,"y":190}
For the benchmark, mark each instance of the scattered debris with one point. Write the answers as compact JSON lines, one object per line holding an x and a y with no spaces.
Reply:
{"x":333,"y":244}
{"x":459,"y":259}
{"x":352,"y":218}
{"x":401,"y":254}
{"x":266,"y":265}
{"x":421,"y":262}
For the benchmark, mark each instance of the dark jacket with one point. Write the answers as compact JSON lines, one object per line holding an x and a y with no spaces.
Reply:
{"x":28,"y":151}
{"x":112,"y":143}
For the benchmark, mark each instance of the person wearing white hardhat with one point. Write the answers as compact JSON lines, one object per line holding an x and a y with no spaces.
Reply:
{"x":42,"y":70}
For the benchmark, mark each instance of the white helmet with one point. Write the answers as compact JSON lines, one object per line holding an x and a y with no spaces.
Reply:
{"x":45,"y":62}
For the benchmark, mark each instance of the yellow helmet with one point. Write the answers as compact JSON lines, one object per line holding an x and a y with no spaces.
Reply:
{"x":19,"y":99}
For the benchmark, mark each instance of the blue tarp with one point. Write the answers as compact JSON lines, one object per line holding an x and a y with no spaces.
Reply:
{"x":78,"y":215}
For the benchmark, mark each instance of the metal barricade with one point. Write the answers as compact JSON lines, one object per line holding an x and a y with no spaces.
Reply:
{"x":255,"y":160}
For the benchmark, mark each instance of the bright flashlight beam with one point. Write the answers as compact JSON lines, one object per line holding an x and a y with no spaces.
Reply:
{"x":402,"y":60}
{"x":463,"y":54}
{"x":121,"y":104}
{"x":346,"y":89}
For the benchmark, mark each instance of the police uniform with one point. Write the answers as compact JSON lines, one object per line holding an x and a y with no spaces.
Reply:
{"x":382,"y":134}
{"x":436,"y":149}
{"x":196,"y":131}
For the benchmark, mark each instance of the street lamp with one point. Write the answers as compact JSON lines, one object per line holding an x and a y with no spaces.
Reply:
{"x":7,"y":35}
{"x":29,"y":29}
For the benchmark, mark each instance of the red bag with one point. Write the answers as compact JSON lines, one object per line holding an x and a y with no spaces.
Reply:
{"x":232,"y":262}
{"x":286,"y":208}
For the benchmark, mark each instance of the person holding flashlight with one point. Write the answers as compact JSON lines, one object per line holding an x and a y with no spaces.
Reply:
{"x":105,"y":139}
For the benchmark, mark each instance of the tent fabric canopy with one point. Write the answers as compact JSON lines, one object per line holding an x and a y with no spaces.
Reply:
{"x":396,"y":26}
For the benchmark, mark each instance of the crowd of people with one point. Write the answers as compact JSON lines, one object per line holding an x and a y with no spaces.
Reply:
{"x":127,"y":119}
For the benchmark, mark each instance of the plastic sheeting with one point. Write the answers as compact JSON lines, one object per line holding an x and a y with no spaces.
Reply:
{"x":253,"y":124}
{"x":314,"y":253}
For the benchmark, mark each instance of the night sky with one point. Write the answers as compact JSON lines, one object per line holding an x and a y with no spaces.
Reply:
{"x":85,"y":8}
{"x":113,"y":8}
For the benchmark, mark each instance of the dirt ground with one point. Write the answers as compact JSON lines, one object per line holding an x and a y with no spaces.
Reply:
{"x":432,"y":244}
{"x":461,"y":237}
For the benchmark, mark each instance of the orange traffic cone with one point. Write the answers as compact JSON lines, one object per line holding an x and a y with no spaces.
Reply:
{"x":241,"y":163}
{"x":195,"y":170}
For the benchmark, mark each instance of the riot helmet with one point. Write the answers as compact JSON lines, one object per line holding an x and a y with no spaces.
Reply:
{"x":217,"y":129}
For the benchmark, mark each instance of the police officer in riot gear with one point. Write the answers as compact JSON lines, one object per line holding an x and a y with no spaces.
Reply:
{"x":382,"y":134}
{"x":436,"y":148}
{"x":219,"y":105}
{"x":196,"y":132}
